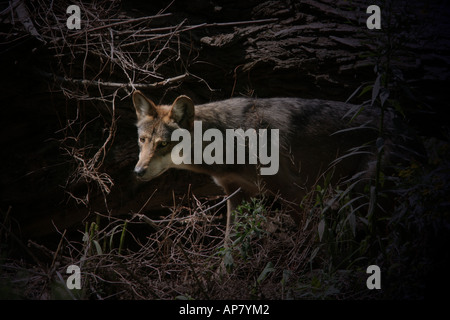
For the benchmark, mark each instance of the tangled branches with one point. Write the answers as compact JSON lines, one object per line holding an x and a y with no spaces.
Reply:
{"x":180,"y":258}
{"x":115,"y":50}
{"x":113,"y":53}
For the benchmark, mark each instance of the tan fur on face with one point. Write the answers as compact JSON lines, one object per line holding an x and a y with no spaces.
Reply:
{"x":155,"y":125}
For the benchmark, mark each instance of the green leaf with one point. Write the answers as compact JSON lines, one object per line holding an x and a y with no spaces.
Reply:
{"x":111,"y":238}
{"x":228,"y":260}
{"x":372,"y":203}
{"x":321,"y":228}
{"x":397,"y":106}
{"x":366,"y":89}
{"x":286,"y":276}
{"x":314,"y":253}
{"x":328,"y":178}
{"x":376,"y":89}
{"x":268,"y":269}
{"x":354,"y":93}
{"x":352,"y":222}
{"x":384,"y":95}
{"x":122,"y":236}
{"x":98,"y":247}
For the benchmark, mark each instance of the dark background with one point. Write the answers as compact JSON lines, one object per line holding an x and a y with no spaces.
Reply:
{"x":310,"y":49}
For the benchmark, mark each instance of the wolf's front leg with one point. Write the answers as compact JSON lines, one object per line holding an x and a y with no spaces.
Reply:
{"x":231,"y":206}
{"x":235,"y":199}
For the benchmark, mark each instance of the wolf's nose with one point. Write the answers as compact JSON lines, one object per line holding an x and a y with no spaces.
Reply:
{"x":139,"y":171}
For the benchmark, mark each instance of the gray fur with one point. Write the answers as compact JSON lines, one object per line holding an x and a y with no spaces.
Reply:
{"x":308,"y":142}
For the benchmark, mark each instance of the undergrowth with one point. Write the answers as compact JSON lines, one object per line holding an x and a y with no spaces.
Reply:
{"x":181,"y":255}
{"x":399,"y":220}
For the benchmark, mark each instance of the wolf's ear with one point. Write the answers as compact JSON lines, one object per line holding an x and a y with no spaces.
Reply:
{"x":183,"y":112}
{"x":143,"y":105}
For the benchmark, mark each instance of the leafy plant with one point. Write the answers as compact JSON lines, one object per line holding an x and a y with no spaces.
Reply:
{"x":249,"y":222}
{"x":249,"y":219}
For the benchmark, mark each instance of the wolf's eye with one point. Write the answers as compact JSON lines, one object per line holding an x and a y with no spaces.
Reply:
{"x":142,"y":140}
{"x":162,"y":144}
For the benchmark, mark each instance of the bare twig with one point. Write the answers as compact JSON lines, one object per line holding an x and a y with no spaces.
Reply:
{"x":115,"y":24}
{"x":96,"y":83}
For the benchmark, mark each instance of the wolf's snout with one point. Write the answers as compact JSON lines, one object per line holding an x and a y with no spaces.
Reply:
{"x":139,"y":171}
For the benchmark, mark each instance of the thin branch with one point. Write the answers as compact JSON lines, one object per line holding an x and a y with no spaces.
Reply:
{"x":115,"y":24}
{"x":97,"y":83}
{"x":202,"y":25}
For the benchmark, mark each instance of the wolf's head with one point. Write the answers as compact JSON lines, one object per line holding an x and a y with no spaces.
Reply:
{"x":155,"y":126}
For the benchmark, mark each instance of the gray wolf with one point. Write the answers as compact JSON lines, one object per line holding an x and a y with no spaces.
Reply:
{"x":312,"y":133}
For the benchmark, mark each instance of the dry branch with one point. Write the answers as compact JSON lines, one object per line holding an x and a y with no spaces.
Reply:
{"x":107,"y":84}
{"x":120,"y":23}
{"x":106,"y":43}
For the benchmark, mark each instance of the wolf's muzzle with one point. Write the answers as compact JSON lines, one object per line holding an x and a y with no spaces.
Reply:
{"x":139,"y":171}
